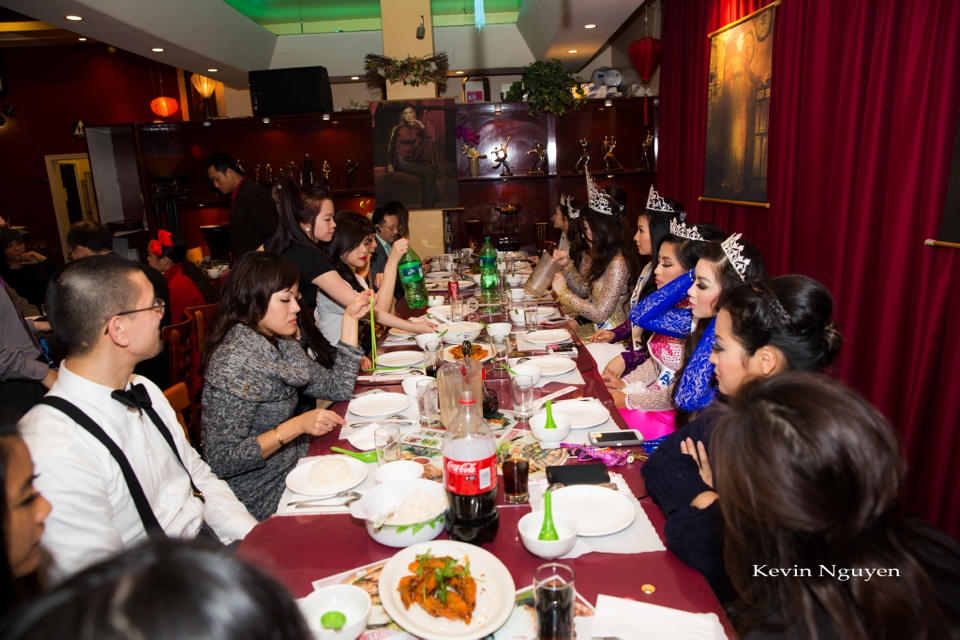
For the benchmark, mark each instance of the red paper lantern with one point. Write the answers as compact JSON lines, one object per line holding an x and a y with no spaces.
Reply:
{"x":164,"y":106}
{"x":646,"y":54}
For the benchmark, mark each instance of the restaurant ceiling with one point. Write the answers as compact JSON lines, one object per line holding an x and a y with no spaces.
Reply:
{"x":285,"y":17}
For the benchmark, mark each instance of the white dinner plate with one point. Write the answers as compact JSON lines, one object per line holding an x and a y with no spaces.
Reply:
{"x":598,"y":511}
{"x":495,"y":592}
{"x":378,"y":404}
{"x":548,"y":336}
{"x":447,"y":357}
{"x":467,"y":283}
{"x":399,"y":332}
{"x":550,"y":366}
{"x":583,"y":413}
{"x":298,"y":480}
{"x":440,"y":274}
{"x":400,"y":358}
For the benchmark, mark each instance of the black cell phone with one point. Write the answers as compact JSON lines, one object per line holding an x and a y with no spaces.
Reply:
{"x":578,"y":474}
{"x":617,"y":438}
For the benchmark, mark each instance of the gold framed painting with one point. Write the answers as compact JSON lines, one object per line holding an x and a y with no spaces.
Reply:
{"x":738,"y":110}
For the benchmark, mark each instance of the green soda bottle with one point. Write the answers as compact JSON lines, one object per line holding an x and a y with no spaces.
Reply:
{"x":488,"y":272}
{"x":411,"y":277}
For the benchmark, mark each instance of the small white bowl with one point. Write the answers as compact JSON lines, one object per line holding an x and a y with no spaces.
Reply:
{"x":516,"y":315}
{"x":436,"y":301}
{"x":398,"y":470}
{"x":531,"y":370}
{"x":423,"y":339}
{"x":213,"y":273}
{"x":550,"y":438}
{"x":499,"y":329}
{"x":350,"y":600}
{"x":457,"y":332}
{"x":517,"y":294}
{"x":514,"y":280}
{"x":476,"y":277}
{"x":529,"y":528}
{"x":410,"y":385}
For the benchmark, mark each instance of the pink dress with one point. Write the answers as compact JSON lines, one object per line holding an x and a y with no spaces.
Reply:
{"x":649,"y":388}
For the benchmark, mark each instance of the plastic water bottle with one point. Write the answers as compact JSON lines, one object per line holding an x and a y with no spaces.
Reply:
{"x":411,"y":277}
{"x":488,"y":272}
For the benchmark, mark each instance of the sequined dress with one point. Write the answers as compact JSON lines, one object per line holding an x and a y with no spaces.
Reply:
{"x":603,"y":301}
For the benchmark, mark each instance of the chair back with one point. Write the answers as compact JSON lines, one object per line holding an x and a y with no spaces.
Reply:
{"x":203,"y":316}
{"x":180,"y":343}
{"x":181,"y":400}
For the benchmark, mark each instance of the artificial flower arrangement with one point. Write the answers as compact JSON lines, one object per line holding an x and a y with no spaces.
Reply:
{"x":411,"y":70}
{"x":470,"y":139}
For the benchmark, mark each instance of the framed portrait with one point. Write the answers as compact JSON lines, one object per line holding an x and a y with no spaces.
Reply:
{"x":738,"y":110}
{"x":415,"y":153}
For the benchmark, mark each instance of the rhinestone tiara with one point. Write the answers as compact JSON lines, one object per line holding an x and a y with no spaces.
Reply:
{"x":656,"y":203}
{"x":734,"y":250}
{"x":572,"y":212}
{"x":681,"y":230}
{"x":599,"y":201}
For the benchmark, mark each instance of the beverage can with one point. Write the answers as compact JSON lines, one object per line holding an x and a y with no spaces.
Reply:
{"x":453,"y":290}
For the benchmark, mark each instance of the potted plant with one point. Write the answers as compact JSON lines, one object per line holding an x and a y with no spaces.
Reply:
{"x":548,"y":86}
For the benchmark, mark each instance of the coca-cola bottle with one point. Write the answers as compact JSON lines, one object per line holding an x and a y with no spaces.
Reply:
{"x":470,"y":475}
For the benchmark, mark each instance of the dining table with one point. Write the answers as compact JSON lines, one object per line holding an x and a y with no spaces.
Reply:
{"x":300,"y":549}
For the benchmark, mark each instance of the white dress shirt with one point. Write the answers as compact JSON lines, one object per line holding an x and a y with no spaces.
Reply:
{"x":94,"y":515}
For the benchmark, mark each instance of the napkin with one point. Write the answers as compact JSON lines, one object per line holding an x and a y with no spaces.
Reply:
{"x":631,"y":620}
{"x":571,"y":377}
{"x":362,"y":437}
{"x":289,"y":496}
{"x":639,"y":537}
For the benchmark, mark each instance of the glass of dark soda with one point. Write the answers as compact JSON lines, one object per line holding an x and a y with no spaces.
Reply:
{"x":553,"y":598}
{"x":516,"y":469}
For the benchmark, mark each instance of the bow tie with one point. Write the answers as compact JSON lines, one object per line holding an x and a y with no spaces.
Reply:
{"x":137,"y":397}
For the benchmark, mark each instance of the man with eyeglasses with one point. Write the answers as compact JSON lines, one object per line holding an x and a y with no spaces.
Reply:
{"x":108,"y":316}
{"x":387,"y":222}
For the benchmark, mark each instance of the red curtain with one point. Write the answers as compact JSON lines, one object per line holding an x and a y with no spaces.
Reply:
{"x":864,"y":107}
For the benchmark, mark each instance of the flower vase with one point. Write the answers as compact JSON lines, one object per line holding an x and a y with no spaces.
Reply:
{"x":474,"y":166}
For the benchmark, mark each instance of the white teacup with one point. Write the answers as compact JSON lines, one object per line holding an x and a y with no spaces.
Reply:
{"x":517,"y":294}
{"x":435,"y":301}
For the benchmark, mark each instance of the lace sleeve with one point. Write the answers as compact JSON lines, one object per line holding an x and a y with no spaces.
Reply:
{"x":658,"y":313}
{"x":607,"y":293}
{"x":641,"y":376}
{"x":652,"y":400}
{"x":575,"y":281}
{"x":622,"y":332}
{"x":696,"y":388}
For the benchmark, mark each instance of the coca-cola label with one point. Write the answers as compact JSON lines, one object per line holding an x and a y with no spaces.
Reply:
{"x":470,"y":478}
{"x":453,"y":289}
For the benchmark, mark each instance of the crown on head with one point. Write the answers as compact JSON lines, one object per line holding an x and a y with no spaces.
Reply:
{"x":680,"y":229}
{"x":656,"y":203}
{"x":734,"y":252}
{"x":572,"y":212}
{"x":599,"y":201}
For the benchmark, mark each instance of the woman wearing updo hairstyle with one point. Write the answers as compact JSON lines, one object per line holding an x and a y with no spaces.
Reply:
{"x":762,"y":329}
{"x":808,"y":474}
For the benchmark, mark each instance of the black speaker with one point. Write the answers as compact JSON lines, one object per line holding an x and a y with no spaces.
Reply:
{"x":275,"y":92}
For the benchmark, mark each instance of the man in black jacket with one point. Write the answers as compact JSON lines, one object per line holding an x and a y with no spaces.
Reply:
{"x":253,"y":213}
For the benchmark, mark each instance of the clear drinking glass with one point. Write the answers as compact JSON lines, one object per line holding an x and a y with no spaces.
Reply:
{"x":386,"y":439}
{"x":456,"y":310}
{"x":516,"y":473}
{"x":531,"y":316}
{"x":554,"y":594}
{"x":522,"y":389}
{"x":428,"y":400}
{"x":501,"y":351}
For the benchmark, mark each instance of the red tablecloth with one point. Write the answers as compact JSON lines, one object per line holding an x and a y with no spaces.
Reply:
{"x":301,"y":549}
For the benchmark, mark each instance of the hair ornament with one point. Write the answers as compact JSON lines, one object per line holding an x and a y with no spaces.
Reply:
{"x":734,"y":252}
{"x":599,"y":201}
{"x":656,"y":203}
{"x":572,"y":212}
{"x":681,"y":230}
{"x":164,"y":239}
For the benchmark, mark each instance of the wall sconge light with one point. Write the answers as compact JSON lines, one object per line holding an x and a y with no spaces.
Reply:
{"x":421,"y":30}
{"x":266,"y":121}
{"x":608,"y":103}
{"x":497,"y":108}
{"x":326,"y":117}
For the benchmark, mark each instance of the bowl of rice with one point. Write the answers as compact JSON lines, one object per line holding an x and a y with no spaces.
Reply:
{"x":407,"y":511}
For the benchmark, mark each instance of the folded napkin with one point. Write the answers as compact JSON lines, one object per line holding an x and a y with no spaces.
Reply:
{"x":639,"y":537}
{"x":361,"y":437}
{"x":631,"y":620}
{"x":571,"y":377}
{"x":289,"y":496}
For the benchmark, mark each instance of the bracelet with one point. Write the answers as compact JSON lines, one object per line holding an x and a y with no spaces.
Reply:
{"x":280,"y":441}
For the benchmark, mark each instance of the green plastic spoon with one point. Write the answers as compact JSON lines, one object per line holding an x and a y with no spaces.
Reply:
{"x":333,"y":620}
{"x":548,"y":531}
{"x":549,"y":424}
{"x":366,"y":456}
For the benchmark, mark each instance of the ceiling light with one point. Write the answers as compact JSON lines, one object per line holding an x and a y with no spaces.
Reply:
{"x":266,"y":121}
{"x":589,"y":26}
{"x":354,"y":77}
{"x":573,"y":51}
{"x":157,"y":49}
{"x":459,"y":73}
{"x":73,"y":18}
{"x":212,"y":70}
{"x":82,"y":39}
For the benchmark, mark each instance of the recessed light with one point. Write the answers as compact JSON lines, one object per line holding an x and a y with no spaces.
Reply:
{"x":326,"y":116}
{"x":82,"y":39}
{"x":459,"y":73}
{"x":212,"y":70}
{"x":589,"y":26}
{"x":573,"y":51}
{"x":266,"y":121}
{"x":354,"y":77}
{"x":73,"y":18}
{"x":157,"y":49}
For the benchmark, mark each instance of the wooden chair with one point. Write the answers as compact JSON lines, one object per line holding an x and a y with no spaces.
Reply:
{"x":181,"y":400}
{"x":203,"y":316}
{"x":180,"y":342}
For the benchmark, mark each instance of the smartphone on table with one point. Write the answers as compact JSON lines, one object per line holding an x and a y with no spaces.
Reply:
{"x":616,"y":438}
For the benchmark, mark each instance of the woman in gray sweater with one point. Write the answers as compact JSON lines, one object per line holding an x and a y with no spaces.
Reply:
{"x":254,"y":371}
